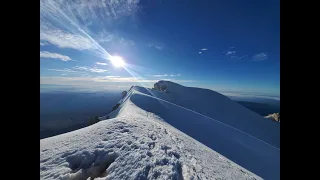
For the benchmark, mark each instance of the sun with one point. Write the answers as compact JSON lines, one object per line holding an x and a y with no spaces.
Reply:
{"x":117,"y":61}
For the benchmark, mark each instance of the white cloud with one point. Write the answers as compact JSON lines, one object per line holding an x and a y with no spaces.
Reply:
{"x":64,"y":39}
{"x":46,"y":54}
{"x":241,"y":57}
{"x":124,"y":41}
{"x":102,"y":63}
{"x":98,"y":81}
{"x":204,"y":49}
{"x":166,"y":75}
{"x":121,"y":79}
{"x":112,"y":76}
{"x":63,"y":70}
{"x":249,"y":95}
{"x":230,"y":53}
{"x":157,"y":46}
{"x":260,"y":57}
{"x":43,"y":44}
{"x":107,"y":37}
{"x":200,"y":52}
{"x":89,"y":81}
{"x":90,"y":69}
{"x":66,"y":24}
{"x":160,"y":75}
{"x":94,"y":12}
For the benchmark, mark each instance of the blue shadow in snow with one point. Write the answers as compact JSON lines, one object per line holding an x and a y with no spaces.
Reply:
{"x":250,"y":153}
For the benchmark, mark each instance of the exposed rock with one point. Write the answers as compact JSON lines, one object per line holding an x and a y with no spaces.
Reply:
{"x":160,"y":86}
{"x":124,"y":93}
{"x":156,"y":86}
{"x":274,"y":117}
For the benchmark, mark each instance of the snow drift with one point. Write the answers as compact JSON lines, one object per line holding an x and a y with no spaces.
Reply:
{"x":167,"y":133}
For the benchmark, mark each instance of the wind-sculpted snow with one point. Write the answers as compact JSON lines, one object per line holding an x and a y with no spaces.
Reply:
{"x":135,"y":145}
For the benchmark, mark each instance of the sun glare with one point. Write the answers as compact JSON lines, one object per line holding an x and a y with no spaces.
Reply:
{"x":117,"y":61}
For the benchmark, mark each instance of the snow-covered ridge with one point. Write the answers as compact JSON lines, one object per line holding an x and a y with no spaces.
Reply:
{"x":154,"y":134}
{"x":219,"y":107}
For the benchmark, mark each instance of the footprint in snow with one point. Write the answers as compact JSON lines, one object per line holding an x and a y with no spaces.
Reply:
{"x":153,"y":137}
{"x":151,"y":145}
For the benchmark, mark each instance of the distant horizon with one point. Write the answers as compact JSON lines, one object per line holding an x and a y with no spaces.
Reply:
{"x":231,"y":94}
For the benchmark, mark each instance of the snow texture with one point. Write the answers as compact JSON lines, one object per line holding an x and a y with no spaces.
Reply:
{"x":158,"y":135}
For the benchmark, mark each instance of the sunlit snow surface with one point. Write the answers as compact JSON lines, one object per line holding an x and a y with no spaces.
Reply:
{"x":135,"y":146}
{"x":149,"y":138}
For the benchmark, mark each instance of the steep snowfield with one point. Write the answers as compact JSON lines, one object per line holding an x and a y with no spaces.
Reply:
{"x":135,"y":145}
{"x":219,"y":107}
{"x":155,"y":134}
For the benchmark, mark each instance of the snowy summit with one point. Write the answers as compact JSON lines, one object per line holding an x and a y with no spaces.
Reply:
{"x":167,"y":132}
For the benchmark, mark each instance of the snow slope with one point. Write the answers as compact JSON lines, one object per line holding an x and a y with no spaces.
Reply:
{"x":219,"y":107}
{"x":155,"y":134}
{"x":135,"y":145}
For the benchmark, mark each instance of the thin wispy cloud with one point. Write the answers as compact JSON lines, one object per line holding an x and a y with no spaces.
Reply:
{"x":230,"y":53}
{"x":43,"y":44}
{"x":260,"y":57}
{"x":66,"y":24}
{"x":238,"y":57}
{"x":204,"y":49}
{"x":242,"y":57}
{"x":96,"y":12}
{"x":200,"y":52}
{"x":157,"y":46}
{"x":90,"y":69}
{"x":46,"y":54}
{"x":126,"y":42}
{"x":233,"y":55}
{"x":121,"y":79}
{"x":112,"y":76}
{"x":160,"y":75}
{"x":99,"y":80}
{"x":64,"y":39}
{"x":166,"y":75}
{"x":63,"y":70}
{"x":252,"y":95}
{"x":102,"y":63}
{"x":107,"y":37}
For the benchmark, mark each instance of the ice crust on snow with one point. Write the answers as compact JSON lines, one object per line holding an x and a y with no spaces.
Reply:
{"x":165,"y":135}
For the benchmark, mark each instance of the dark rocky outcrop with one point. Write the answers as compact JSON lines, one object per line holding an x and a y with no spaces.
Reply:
{"x":274,"y":117}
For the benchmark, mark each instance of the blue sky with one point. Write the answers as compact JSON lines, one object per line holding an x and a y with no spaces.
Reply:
{"x":228,"y":46}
